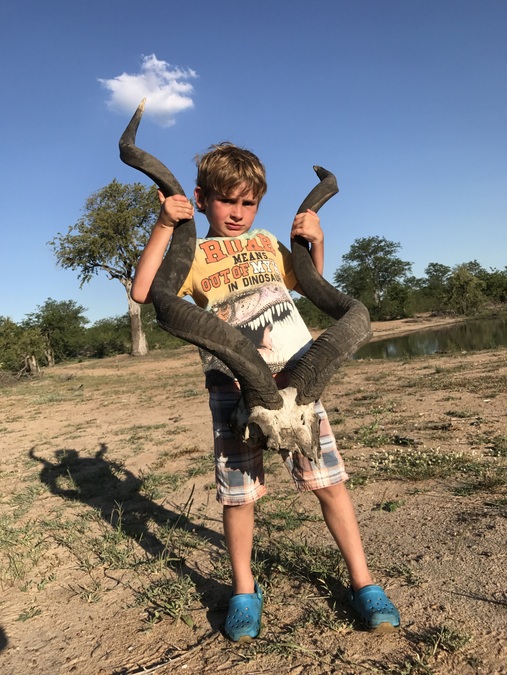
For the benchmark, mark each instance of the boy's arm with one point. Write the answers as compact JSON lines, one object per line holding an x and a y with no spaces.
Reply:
{"x":307,"y":225}
{"x":173,"y":210}
{"x":317,"y":255}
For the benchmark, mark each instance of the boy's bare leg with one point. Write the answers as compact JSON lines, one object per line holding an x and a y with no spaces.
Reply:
{"x":340,"y":517}
{"x":238,"y":531}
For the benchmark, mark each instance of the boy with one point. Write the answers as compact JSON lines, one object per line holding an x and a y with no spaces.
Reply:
{"x":242,"y":275}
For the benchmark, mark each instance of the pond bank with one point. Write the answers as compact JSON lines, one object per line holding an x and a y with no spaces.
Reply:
{"x":399,"y":327}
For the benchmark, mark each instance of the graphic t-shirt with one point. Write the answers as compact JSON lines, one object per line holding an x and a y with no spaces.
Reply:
{"x":245,"y":281}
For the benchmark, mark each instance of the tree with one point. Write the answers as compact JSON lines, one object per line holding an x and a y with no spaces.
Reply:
{"x":157,"y":337}
{"x":21,"y":348}
{"x":312,"y":315}
{"x":465,"y":291}
{"x":110,"y":237}
{"x":62,"y":324}
{"x":495,"y":282}
{"x":434,"y":287}
{"x":109,"y":336}
{"x":475,"y":268}
{"x":370,"y":268}
{"x":396,"y":301}
{"x":113,"y":335}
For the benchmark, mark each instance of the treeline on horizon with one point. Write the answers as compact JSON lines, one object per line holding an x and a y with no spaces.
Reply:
{"x":58,"y":331}
{"x":113,"y":231}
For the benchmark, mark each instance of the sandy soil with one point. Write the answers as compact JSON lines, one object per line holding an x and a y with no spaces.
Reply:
{"x":107,"y":491}
{"x":386,"y":329}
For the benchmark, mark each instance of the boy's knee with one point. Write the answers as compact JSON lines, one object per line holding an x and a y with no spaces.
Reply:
{"x":330,"y":492}
{"x":238,"y":508}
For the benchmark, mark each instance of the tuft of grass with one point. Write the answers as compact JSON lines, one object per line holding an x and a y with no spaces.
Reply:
{"x":23,"y":501}
{"x":422,"y":464}
{"x":431,"y":643}
{"x":171,"y":597}
{"x":178,"y":429}
{"x":461,"y":414}
{"x":90,"y":592}
{"x":390,"y":506}
{"x":498,"y":446}
{"x":447,"y":379}
{"x":357,"y":479}
{"x":276,"y":514}
{"x":155,"y":485}
{"x":21,"y":548}
{"x":113,"y":547}
{"x":373,"y":435}
{"x":405,"y":572}
{"x":29,"y":613}
{"x":335,"y":421}
{"x":487,"y":479}
{"x":322,"y":616}
{"x":444,"y":638}
{"x":297,"y":559}
{"x":47,"y":399}
{"x":204,"y":465}
{"x":367,"y":396}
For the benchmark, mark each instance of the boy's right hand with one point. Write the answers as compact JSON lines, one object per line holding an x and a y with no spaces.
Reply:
{"x":174,"y":209}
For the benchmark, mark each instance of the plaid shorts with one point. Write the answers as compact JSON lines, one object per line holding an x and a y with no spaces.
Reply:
{"x":239,"y":469}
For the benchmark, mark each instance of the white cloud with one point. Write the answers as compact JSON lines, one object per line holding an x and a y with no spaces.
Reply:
{"x":166,"y":88}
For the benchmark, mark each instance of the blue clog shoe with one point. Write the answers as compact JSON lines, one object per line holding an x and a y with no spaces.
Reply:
{"x":375,"y":609}
{"x":243,"y":622}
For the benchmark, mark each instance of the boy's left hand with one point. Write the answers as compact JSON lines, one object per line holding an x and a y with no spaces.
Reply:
{"x":307,"y":225}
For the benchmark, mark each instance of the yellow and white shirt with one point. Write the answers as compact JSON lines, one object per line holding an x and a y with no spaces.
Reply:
{"x":245,"y":281}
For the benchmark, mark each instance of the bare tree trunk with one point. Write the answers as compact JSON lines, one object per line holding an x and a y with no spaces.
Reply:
{"x":50,"y":357}
{"x":139,"y":342}
{"x":31,"y":366}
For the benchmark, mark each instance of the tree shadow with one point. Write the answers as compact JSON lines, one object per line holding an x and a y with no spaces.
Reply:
{"x":115,"y":493}
{"x":3,"y":639}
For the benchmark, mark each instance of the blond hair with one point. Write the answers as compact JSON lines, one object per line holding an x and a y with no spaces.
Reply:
{"x":226,"y":166}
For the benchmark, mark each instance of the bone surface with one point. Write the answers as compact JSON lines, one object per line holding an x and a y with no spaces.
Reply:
{"x":292,"y":428}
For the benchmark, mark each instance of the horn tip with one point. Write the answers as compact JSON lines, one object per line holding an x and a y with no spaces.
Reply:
{"x":321,"y":172}
{"x":324,"y":173}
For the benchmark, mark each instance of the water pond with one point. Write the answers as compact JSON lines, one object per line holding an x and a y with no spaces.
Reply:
{"x":468,"y":336}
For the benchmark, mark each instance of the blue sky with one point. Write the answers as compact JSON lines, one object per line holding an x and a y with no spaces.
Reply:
{"x":404,"y":100}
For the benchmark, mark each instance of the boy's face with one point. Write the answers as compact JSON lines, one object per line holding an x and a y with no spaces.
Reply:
{"x":228,"y":216}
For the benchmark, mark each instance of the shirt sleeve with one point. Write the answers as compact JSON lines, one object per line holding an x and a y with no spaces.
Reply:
{"x":284,"y":262}
{"x":186,"y":288}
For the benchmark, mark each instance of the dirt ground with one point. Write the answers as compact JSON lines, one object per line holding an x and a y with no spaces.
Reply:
{"x":111,"y":553}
